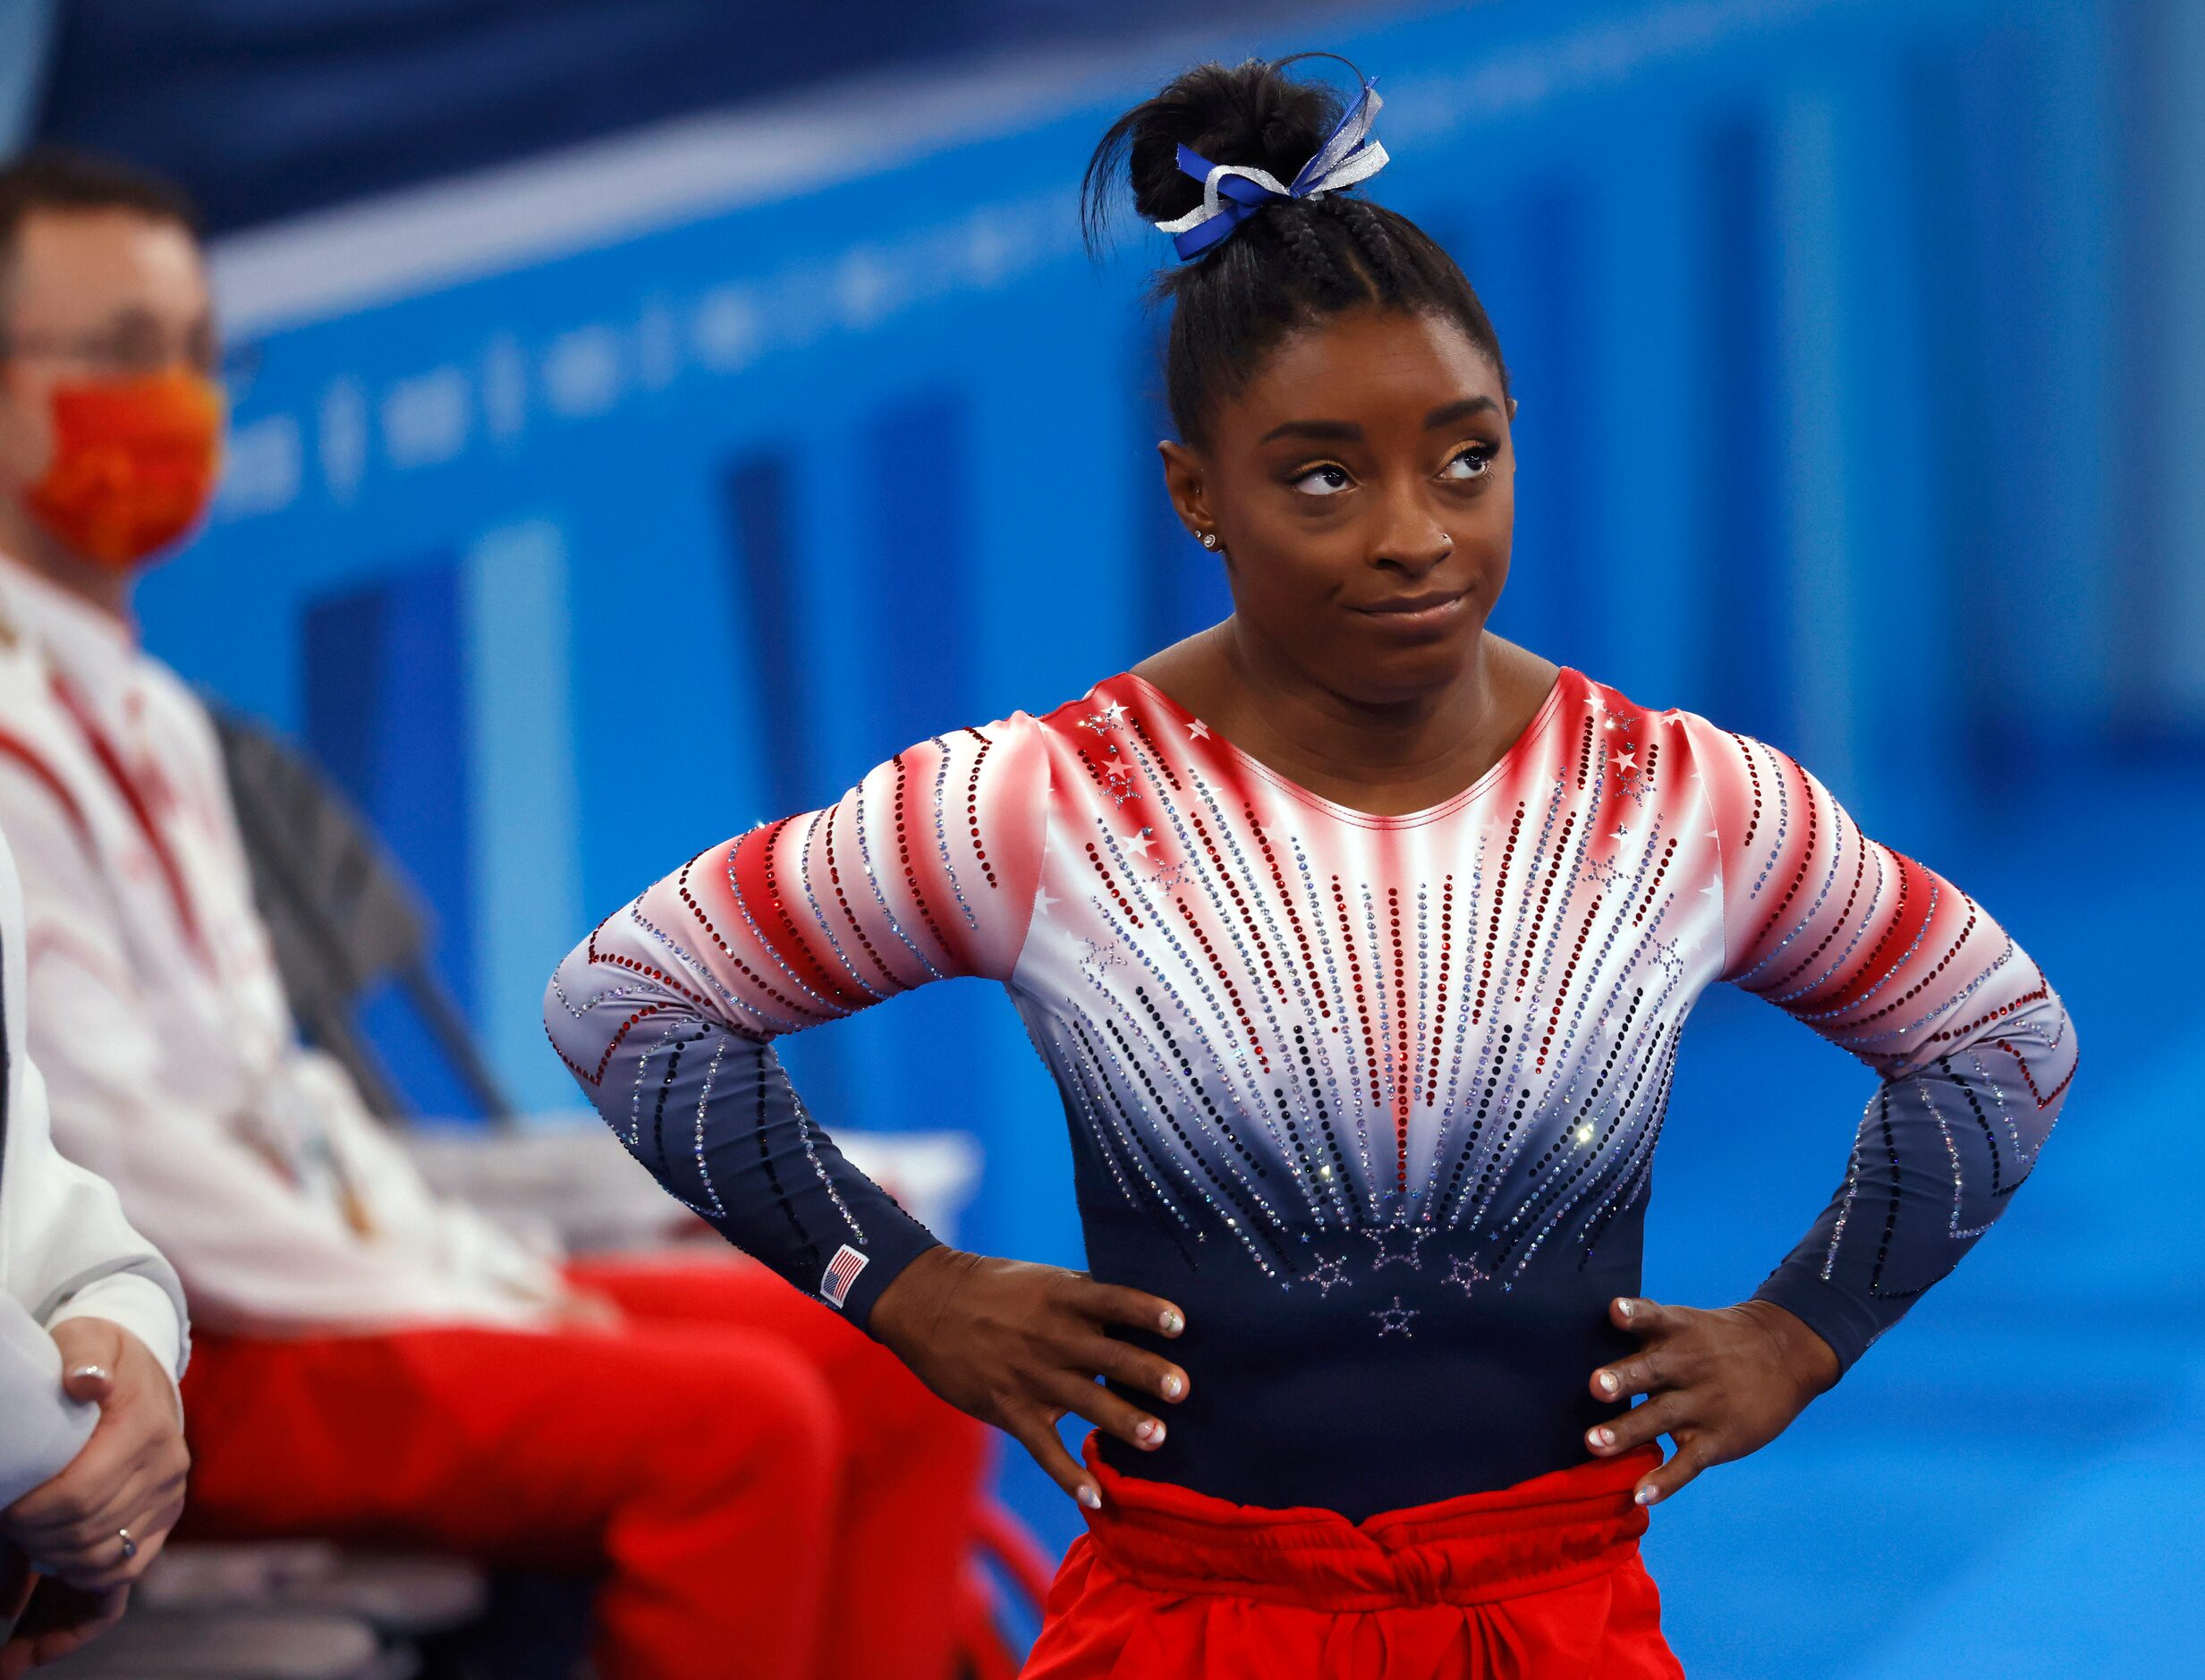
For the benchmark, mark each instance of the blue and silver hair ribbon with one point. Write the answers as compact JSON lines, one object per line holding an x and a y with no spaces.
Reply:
{"x":1232,"y":193}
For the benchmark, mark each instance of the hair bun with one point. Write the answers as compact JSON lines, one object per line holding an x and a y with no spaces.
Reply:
{"x":1251,"y":114}
{"x":1294,"y":262}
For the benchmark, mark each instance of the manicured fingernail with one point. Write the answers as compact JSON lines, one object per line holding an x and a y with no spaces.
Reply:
{"x":1089,"y":1498}
{"x":1602,"y":1438}
{"x":1608,"y":1384}
{"x":1175,"y":1386}
{"x":1150,"y":1431}
{"x":1172,"y":1322}
{"x":1627,"y":1306}
{"x":1645,"y":1495}
{"x":98,"y":1371}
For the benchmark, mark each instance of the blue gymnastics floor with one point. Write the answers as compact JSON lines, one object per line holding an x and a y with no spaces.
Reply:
{"x":2005,"y":1484}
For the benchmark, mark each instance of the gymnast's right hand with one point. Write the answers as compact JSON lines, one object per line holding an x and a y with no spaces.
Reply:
{"x":1020,"y":1345}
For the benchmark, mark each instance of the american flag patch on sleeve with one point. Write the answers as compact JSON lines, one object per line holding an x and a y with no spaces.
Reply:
{"x":842,"y":1271}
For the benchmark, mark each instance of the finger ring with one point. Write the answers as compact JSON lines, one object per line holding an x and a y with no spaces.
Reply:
{"x":129,"y":1545}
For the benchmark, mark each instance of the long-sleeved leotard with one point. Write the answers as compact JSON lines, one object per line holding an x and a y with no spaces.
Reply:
{"x":1373,"y":1098}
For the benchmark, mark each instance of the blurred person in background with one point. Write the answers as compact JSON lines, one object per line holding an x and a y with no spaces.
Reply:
{"x":375,"y":1363}
{"x":92,"y":1340}
{"x":1358,"y":940}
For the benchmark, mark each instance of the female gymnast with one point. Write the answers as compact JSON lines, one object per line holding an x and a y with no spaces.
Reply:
{"x":1357,"y":941}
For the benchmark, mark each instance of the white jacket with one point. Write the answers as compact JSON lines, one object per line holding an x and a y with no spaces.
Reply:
{"x":65,"y":1252}
{"x":160,"y":1019}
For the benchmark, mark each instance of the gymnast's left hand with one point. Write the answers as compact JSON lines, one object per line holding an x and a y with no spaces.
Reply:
{"x":1719,"y":1383}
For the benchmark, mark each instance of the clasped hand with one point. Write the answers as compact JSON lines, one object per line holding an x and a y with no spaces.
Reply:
{"x":1020,"y":1345}
{"x":129,"y":1475}
{"x":1719,"y":1383}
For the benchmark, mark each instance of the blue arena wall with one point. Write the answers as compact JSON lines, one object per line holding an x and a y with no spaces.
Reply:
{"x":570,"y":568}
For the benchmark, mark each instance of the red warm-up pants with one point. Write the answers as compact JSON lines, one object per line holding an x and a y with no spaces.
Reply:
{"x":1537,"y":1582}
{"x":762,"y":1489}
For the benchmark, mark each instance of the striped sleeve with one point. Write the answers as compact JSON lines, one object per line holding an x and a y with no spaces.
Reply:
{"x":1887,"y":959}
{"x":928,"y":870}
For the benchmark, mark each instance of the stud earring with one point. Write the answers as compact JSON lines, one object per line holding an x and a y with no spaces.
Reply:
{"x":1209,"y":539}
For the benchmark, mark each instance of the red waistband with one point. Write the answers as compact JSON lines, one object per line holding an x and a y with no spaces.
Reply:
{"x":1547,"y":1532}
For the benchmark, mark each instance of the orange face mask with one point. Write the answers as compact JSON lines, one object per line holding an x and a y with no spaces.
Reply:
{"x":134,"y":464}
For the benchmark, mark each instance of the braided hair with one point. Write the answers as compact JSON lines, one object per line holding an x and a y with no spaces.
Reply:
{"x":1290,"y":265}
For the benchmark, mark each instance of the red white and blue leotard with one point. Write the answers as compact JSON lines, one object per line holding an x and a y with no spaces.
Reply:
{"x":1373,"y":1098}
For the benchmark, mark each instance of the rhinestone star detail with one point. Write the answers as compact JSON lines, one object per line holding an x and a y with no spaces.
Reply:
{"x":1464,"y":1274}
{"x":1327,"y":1273}
{"x":1412,"y":1256}
{"x":1100,"y":956}
{"x":1394,"y":1320}
{"x":1604,"y":871}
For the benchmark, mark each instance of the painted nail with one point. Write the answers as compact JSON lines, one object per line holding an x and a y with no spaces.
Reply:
{"x":98,"y":1371}
{"x":1175,"y":1386}
{"x":1604,"y":1438}
{"x":1089,"y":1498}
{"x":1150,"y":1431}
{"x":1627,"y":1306}
{"x":1608,"y":1384}
{"x":1172,"y":1322}
{"x":1644,"y":1495}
